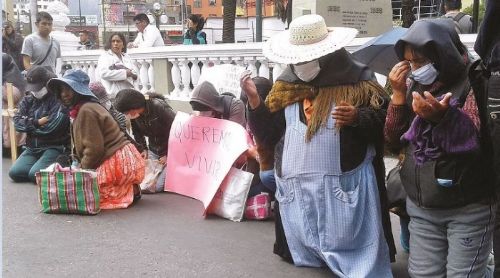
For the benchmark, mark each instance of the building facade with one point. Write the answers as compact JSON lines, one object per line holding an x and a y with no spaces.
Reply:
{"x":214,"y":8}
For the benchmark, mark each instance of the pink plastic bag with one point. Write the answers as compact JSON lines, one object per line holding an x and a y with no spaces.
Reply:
{"x":258,"y":207}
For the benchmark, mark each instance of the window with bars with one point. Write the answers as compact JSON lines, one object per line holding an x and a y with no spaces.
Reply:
{"x":197,"y":4}
{"x":128,"y":17}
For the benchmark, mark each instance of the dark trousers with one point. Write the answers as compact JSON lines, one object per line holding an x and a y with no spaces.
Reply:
{"x":496,"y":243}
{"x":280,"y":246}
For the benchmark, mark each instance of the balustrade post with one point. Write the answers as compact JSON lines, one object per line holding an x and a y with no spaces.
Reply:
{"x":143,"y":76}
{"x":162,"y":81}
{"x":84,"y":67}
{"x":78,"y":65}
{"x":251,"y":66}
{"x":186,"y":79}
{"x":239,"y":61}
{"x":216,"y":61}
{"x":205,"y":65}
{"x":224,"y":60}
{"x":151,"y":76}
{"x":195,"y":72}
{"x":176,"y":78}
{"x":277,"y":70}
{"x":137,"y":70}
{"x":264,"y":69}
{"x":91,"y":72}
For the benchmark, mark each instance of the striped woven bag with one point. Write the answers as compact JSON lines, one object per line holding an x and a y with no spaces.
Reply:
{"x":66,"y":190}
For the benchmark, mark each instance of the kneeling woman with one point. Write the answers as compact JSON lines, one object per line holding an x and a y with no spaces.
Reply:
{"x":99,"y":143}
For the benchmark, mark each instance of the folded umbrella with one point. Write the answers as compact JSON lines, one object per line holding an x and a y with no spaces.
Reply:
{"x":378,"y":53}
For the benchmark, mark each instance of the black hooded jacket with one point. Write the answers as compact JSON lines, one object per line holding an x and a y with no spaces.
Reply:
{"x":488,"y":48}
{"x":469,"y":172}
{"x":155,"y":123}
{"x":438,"y":41}
{"x":488,"y":40}
{"x":11,"y":73}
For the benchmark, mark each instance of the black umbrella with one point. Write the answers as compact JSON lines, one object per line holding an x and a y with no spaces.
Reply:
{"x":378,"y":53}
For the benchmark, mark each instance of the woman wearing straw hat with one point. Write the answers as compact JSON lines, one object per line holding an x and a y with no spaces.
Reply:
{"x":329,"y":112}
{"x":99,"y":142}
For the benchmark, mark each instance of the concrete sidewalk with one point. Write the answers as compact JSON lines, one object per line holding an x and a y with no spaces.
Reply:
{"x":164,"y":235}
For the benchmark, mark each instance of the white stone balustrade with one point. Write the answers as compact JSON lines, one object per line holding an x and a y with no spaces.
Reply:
{"x":173,"y":70}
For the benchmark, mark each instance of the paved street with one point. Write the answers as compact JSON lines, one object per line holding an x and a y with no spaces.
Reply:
{"x":164,"y":235}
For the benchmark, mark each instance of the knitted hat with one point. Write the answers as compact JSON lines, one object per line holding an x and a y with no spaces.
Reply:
{"x":128,"y":99}
{"x":99,"y":91}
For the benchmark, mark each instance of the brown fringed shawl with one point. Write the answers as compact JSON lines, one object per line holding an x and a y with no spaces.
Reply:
{"x":362,"y":94}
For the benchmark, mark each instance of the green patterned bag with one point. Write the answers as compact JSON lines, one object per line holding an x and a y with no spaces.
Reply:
{"x":66,"y":190}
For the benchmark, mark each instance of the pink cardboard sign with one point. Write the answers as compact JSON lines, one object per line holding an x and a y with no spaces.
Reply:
{"x":201,"y":151}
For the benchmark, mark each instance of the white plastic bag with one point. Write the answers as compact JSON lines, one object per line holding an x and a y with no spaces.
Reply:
{"x":153,"y":171}
{"x":230,"y":199}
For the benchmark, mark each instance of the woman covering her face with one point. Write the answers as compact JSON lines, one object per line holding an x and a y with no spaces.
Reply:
{"x":436,"y":118}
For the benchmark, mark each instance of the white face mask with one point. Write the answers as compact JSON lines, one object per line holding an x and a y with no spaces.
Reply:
{"x":308,"y":71}
{"x":425,"y":75}
{"x":40,"y":94}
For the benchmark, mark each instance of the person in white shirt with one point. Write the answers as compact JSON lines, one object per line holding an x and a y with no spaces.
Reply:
{"x":148,"y":35}
{"x":115,"y":67}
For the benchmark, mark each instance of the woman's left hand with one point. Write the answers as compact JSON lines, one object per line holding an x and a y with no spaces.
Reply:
{"x":427,"y":107}
{"x":345,"y":114}
{"x":163,"y":160}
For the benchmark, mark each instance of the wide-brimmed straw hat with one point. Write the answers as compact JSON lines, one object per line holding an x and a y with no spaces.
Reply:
{"x":77,"y":79}
{"x":307,"y":39}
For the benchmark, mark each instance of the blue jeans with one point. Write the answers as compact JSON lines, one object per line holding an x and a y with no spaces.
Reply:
{"x":268,"y":180}
{"x":404,"y":222}
{"x":267,"y":184}
{"x":450,"y":242}
{"x":32,"y":161}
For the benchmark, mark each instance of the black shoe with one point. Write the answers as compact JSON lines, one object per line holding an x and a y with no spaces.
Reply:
{"x":137,"y":193}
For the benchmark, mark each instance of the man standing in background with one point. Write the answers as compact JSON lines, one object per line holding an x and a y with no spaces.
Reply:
{"x":463,"y":21}
{"x":40,"y":48}
{"x":85,"y":42}
{"x":148,"y":35}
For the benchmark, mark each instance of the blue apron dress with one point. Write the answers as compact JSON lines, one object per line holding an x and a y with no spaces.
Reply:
{"x":330,"y":217}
